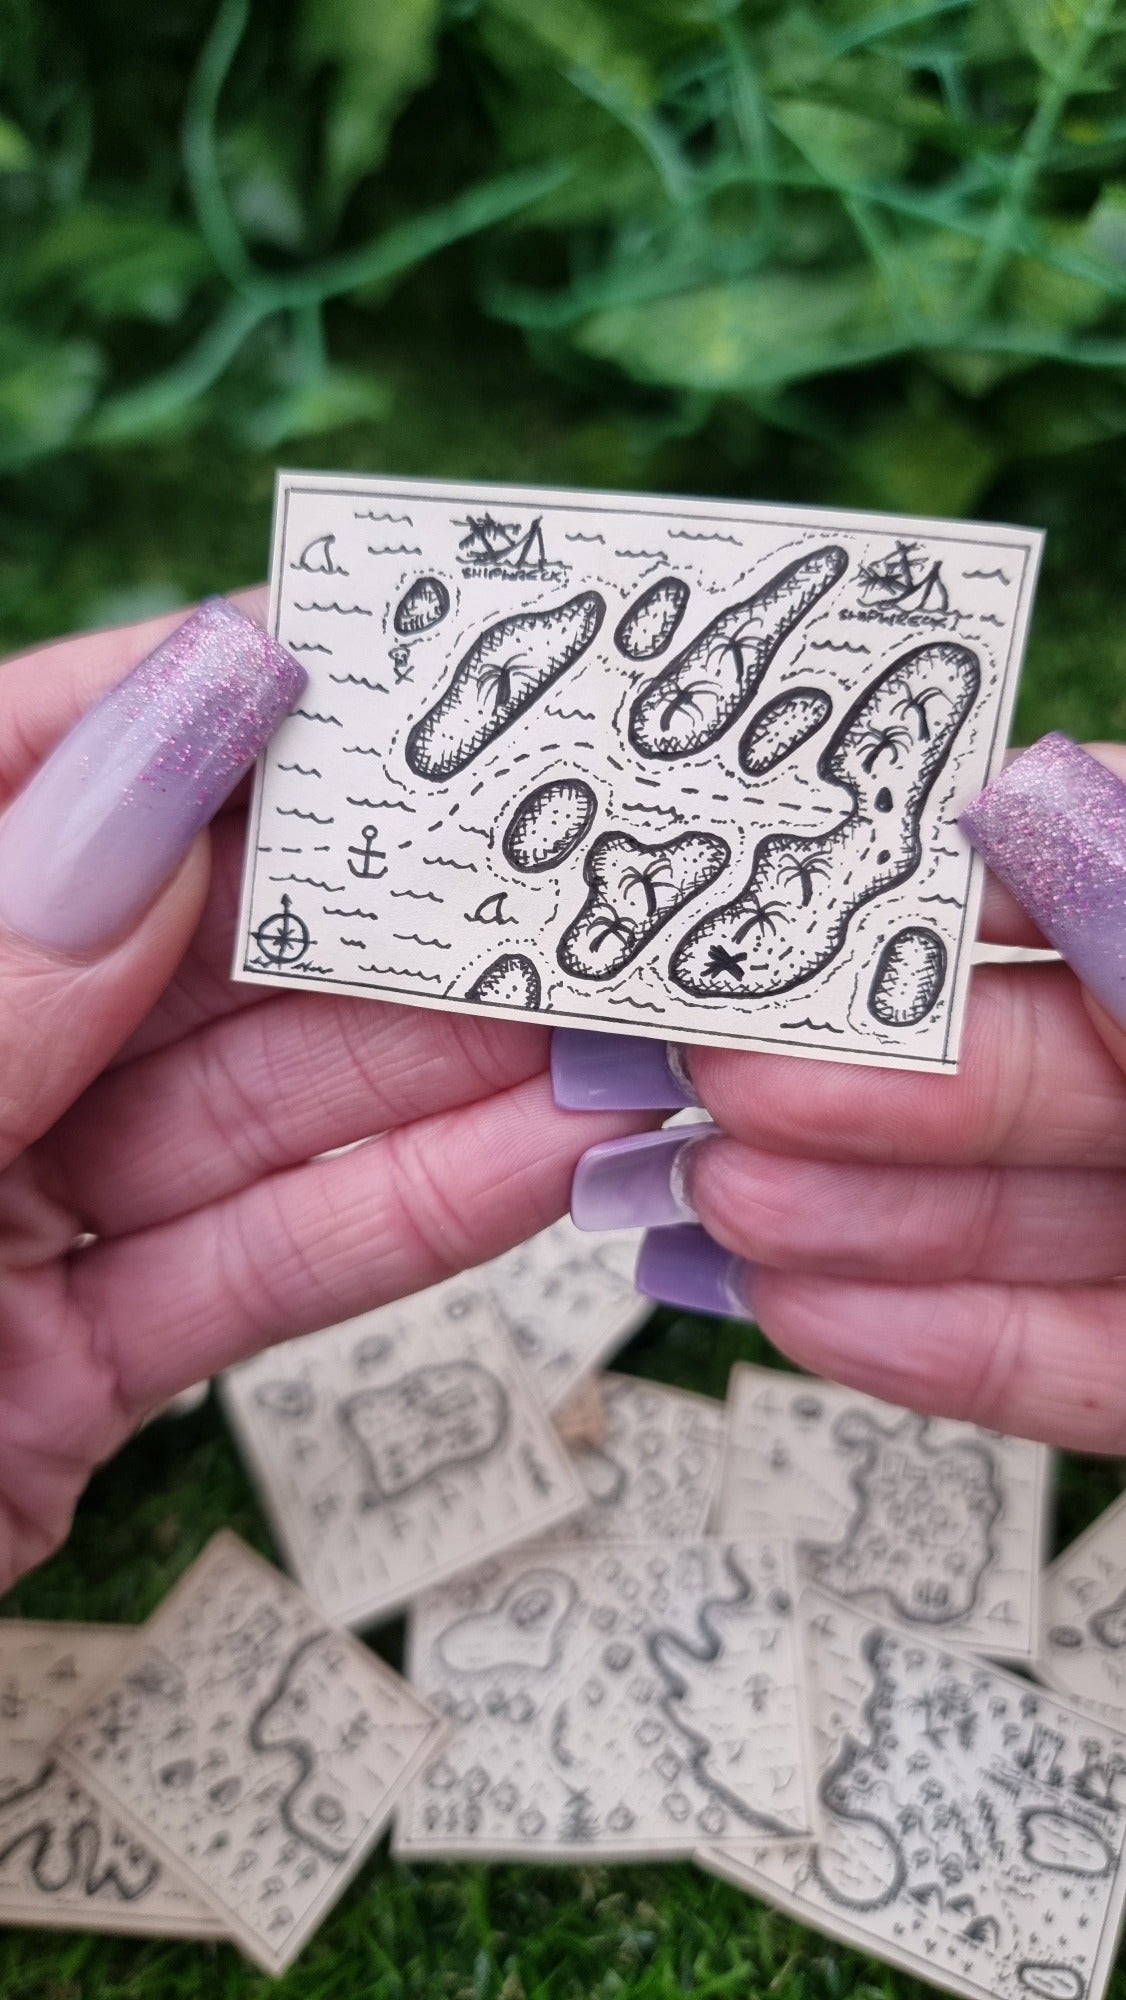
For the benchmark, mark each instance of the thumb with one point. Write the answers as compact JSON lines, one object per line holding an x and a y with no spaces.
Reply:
{"x":102,"y":869}
{"x":1053,"y":827}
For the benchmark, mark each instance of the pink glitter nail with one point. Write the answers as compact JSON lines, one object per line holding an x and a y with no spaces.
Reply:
{"x":1053,"y":828}
{"x":89,"y":842}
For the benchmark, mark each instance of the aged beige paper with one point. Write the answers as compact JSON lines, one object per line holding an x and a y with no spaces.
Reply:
{"x":610,"y":1702}
{"x":1083,"y":1619}
{"x":66,"y":1863}
{"x":258,"y":1750}
{"x":970,"y":1827}
{"x":397,"y":1448}
{"x":936,"y":1523}
{"x":652,"y":1475}
{"x":569,"y":1302}
{"x":679,"y":768}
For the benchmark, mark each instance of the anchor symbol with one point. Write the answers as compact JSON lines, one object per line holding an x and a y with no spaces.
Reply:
{"x":284,"y":937}
{"x":368,"y":853}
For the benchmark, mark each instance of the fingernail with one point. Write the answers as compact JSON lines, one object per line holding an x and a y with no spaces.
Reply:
{"x":687,"y":1267}
{"x":636,"y":1183}
{"x":1053,"y":828}
{"x":591,"y":1072}
{"x":101,"y":826}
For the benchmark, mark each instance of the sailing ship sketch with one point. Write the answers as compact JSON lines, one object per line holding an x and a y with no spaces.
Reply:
{"x":507,"y":549}
{"x":907,"y":581}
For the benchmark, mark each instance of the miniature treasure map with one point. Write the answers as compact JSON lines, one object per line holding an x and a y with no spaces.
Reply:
{"x":1082,"y":1651}
{"x":65,"y":1862}
{"x":935,"y":1523}
{"x":621,"y":1701}
{"x":680,"y":768}
{"x":397,"y":1448}
{"x":969,"y":1826}
{"x":258,"y":1750}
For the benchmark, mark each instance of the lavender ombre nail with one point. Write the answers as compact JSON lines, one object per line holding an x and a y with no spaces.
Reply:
{"x":636,"y":1183}
{"x":687,"y":1267}
{"x":101,"y":826}
{"x":1053,"y":828}
{"x":591,"y":1072}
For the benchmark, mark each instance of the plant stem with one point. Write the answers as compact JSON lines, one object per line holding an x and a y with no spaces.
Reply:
{"x":217,"y":225}
{"x":1057,"y":86}
{"x":157,"y":401}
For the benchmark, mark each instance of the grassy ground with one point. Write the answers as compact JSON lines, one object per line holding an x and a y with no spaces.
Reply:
{"x":446,"y":1932}
{"x":116,"y":535}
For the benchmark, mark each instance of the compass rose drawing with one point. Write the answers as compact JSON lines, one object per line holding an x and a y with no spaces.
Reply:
{"x":283,"y":937}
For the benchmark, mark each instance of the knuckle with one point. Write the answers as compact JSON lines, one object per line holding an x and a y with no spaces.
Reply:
{"x":430,"y":1234}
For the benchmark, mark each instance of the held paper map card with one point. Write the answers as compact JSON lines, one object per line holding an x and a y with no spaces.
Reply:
{"x":65,"y":1862}
{"x":1083,"y":1618}
{"x":669,"y":767}
{"x":257,"y":1749}
{"x":935,"y":1523}
{"x":398,"y":1448}
{"x":970,"y":1826}
{"x":610,"y":1703}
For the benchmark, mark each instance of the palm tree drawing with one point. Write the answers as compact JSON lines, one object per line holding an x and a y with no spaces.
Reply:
{"x":917,"y":705}
{"x":499,"y":681}
{"x":760,"y":918}
{"x":612,"y":925}
{"x":648,"y":877}
{"x":686,"y":701}
{"x":886,"y":742}
{"x":805,"y":869}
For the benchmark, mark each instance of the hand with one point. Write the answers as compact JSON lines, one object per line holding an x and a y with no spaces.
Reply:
{"x":956,"y":1244}
{"x":148,"y":1104}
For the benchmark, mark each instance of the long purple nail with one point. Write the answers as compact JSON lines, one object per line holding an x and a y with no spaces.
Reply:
{"x":636,"y":1183}
{"x":591,"y":1072}
{"x":1053,"y":827}
{"x":688,"y":1268}
{"x":85,"y":848}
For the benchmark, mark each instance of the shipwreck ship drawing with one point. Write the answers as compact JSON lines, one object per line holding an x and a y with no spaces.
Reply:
{"x":905,"y":581}
{"x":506,"y":549}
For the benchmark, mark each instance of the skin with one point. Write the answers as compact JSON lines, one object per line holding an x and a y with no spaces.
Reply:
{"x":179,"y":1119}
{"x":957,"y":1244}
{"x":954,"y":1244}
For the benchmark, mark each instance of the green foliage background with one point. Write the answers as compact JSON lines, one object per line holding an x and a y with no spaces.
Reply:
{"x":851,"y":252}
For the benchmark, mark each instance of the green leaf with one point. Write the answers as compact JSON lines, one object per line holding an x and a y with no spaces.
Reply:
{"x":753,"y":336}
{"x":611,"y":175}
{"x":1050,"y":295}
{"x":1047,"y":28}
{"x":16,"y":153}
{"x":120,"y":266}
{"x":843,"y":146}
{"x":621,"y":46}
{"x":381,"y":52}
{"x":261,"y":175}
{"x":45,"y":391}
{"x":929,"y":461}
{"x":340,"y":396}
{"x":1104,"y":231}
